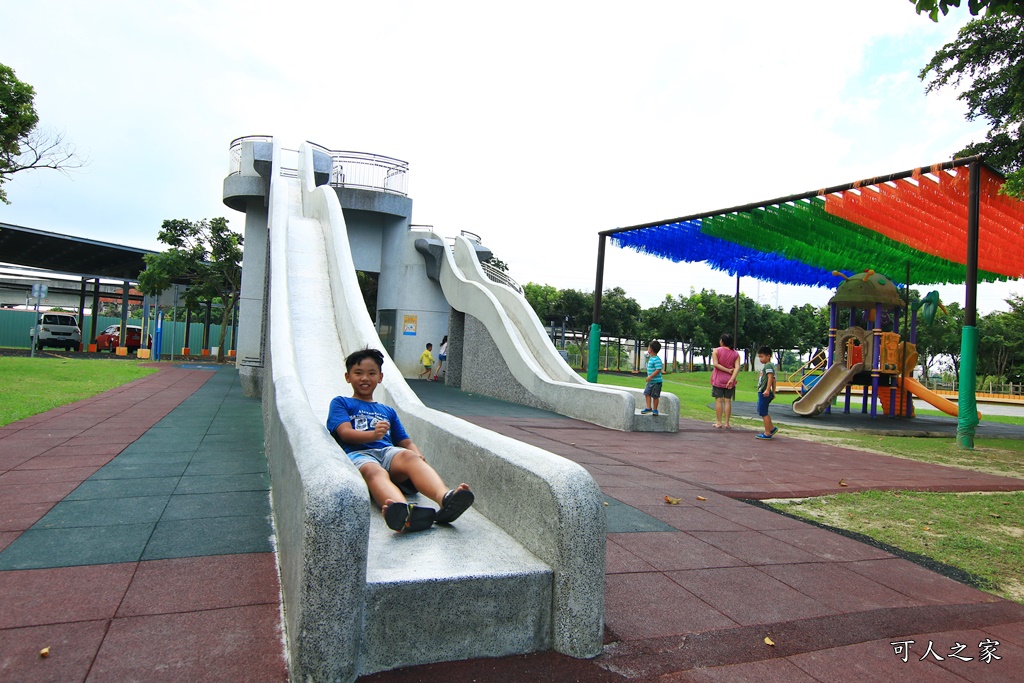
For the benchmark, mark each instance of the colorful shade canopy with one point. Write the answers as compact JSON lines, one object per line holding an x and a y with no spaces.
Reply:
{"x":917,"y":219}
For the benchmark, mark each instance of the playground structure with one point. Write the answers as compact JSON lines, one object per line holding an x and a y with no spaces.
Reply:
{"x":872,"y":355}
{"x":523,"y":569}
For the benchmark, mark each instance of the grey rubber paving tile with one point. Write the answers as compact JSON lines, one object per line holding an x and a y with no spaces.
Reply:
{"x":209,"y":536}
{"x":623,"y":519}
{"x":227,"y":504}
{"x":217,"y":483}
{"x":124,"y":488}
{"x":225,"y":466}
{"x":69,"y":547}
{"x":116,"y":470}
{"x":139,"y":457}
{"x":105,"y":512}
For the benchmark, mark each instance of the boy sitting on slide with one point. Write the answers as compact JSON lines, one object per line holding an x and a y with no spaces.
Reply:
{"x":378,"y":445}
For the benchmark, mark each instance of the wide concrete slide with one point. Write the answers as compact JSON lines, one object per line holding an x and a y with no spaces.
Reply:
{"x":820,"y":396}
{"x":521,"y":571}
{"x":530,"y":357}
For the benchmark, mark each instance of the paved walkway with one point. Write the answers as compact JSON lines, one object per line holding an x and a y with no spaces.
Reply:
{"x":136,"y":539}
{"x":135,"y":544}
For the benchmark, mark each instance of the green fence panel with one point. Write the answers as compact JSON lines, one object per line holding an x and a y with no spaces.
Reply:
{"x":15,"y":326}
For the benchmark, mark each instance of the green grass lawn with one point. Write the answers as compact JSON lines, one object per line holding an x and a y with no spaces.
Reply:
{"x":34,"y":385}
{"x":979,"y":535}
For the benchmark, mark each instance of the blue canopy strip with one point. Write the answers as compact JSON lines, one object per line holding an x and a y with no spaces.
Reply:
{"x":684,"y":242}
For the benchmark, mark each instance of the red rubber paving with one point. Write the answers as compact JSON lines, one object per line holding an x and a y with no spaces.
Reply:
{"x":214,"y":618}
{"x":694,"y":602}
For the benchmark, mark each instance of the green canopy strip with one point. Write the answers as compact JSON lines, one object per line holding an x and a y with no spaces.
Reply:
{"x":804,"y":232}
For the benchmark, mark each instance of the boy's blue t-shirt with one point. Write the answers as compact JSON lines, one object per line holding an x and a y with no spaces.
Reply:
{"x":654,"y":363}
{"x":364,"y":417}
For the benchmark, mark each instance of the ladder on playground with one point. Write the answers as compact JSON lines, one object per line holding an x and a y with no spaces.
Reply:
{"x":807,"y":374}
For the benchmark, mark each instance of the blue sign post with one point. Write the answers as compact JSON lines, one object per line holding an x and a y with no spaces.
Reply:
{"x":158,"y":337}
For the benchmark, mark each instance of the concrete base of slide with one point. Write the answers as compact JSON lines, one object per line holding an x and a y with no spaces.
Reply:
{"x":521,"y":571}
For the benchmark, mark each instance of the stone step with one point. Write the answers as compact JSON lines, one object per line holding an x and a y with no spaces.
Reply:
{"x":459,"y":591}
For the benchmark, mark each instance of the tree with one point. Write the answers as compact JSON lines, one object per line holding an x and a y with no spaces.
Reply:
{"x":205,"y":254}
{"x":368,"y":288}
{"x":544,"y":299}
{"x":1000,"y":339}
{"x":933,"y":7}
{"x":811,"y":327}
{"x":620,"y":314}
{"x":22,"y":146}
{"x":498,"y":264}
{"x":989,"y":54}
{"x":941,"y":337}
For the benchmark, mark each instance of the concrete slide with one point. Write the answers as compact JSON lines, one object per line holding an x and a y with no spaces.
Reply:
{"x":820,"y":396}
{"x":532,"y":361}
{"x":508,"y":577}
{"x":925,"y":394}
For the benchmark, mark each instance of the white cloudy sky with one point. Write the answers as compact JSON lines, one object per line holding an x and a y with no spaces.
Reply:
{"x":533,"y":124}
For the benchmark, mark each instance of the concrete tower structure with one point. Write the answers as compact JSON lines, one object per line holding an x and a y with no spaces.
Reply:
{"x":378,"y":213}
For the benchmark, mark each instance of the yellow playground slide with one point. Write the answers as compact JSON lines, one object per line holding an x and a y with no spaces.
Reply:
{"x":820,"y":396}
{"x":929,"y":396}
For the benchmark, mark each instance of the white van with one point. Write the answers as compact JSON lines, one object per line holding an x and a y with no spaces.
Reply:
{"x":56,"y":329}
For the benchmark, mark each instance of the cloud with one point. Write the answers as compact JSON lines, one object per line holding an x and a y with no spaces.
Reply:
{"x":533,"y":124}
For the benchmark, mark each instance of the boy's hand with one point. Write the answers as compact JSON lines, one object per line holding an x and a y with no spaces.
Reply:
{"x":767,"y":392}
{"x":380,"y":429}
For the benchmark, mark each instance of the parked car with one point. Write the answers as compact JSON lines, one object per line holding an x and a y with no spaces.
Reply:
{"x":56,"y":329}
{"x":109,"y":339}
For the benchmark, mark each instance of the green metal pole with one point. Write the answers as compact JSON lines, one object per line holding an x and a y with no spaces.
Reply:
{"x":594,"y":350}
{"x":966,"y":403}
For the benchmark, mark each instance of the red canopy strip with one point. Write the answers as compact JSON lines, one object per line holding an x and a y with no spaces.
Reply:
{"x":994,"y":242}
{"x":946,"y":224}
{"x":1009,"y":212}
{"x":932,"y":238}
{"x":864,"y":209}
{"x":929,"y":223}
{"x":996,"y":249}
{"x":932,"y":217}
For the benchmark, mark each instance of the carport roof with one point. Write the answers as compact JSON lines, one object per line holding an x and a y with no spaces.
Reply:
{"x":31,"y":248}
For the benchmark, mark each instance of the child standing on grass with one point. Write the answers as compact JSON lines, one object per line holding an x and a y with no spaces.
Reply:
{"x":652,"y":392}
{"x":766,"y":391}
{"x":378,"y":445}
{"x":427,"y":361}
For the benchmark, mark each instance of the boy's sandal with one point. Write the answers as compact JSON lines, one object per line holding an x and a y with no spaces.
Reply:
{"x":420,"y":518}
{"x":405,"y":517}
{"x":764,"y":436}
{"x":454,"y":503}
{"x":772,"y":433}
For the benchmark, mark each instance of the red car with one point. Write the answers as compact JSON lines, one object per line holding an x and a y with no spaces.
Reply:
{"x":109,"y":339}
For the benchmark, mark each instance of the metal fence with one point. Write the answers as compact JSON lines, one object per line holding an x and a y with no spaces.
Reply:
{"x":15,"y":326}
{"x":367,"y":171}
{"x":235,"y":151}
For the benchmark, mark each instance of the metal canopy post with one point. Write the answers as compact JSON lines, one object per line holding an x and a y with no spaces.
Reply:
{"x":124,"y":314}
{"x":967,"y":406}
{"x":595,"y":326}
